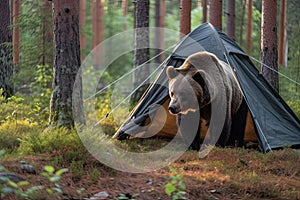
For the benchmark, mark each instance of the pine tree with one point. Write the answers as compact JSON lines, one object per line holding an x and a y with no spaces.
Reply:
{"x":141,"y":44}
{"x":6,"y":58}
{"x":230,"y":18}
{"x":215,"y":13}
{"x":185,"y":17}
{"x":66,"y":64}
{"x":269,"y":53}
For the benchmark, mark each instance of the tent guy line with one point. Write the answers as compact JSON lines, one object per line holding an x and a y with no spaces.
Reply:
{"x":127,"y":97}
{"x":276,"y":71}
{"x":128,"y":73}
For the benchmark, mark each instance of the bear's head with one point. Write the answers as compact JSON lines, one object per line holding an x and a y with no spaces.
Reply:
{"x":188,"y":81}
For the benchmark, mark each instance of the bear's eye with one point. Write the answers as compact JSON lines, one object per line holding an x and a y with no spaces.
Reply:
{"x":172,"y":94}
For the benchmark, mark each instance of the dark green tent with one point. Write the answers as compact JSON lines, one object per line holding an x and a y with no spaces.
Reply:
{"x":275,"y":123}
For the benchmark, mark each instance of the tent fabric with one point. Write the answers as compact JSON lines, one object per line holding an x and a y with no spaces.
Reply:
{"x":275,"y":123}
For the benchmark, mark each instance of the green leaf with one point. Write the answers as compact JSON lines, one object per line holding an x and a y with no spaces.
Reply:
{"x":181,"y":185}
{"x":61,"y":171}
{"x":12,"y":184}
{"x":57,"y":190}
{"x":49,"y":191}
{"x":180,"y":176}
{"x":169,"y":189}
{"x":54,"y":179}
{"x":49,"y":169}
{"x":45,"y":174}
{"x":7,"y":190}
{"x":33,"y":189}
{"x":23,"y":183}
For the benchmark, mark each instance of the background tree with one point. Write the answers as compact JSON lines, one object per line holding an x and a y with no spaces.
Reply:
{"x":6,"y":59}
{"x":249,"y":28}
{"x":185,"y":17}
{"x":282,"y":34}
{"x":241,"y":20}
{"x":47,"y":32}
{"x":204,"y":10}
{"x":16,"y":31}
{"x":97,"y":22}
{"x":82,"y":21}
{"x":230,"y":18}
{"x":159,"y":35}
{"x":66,"y":63}
{"x":141,"y":46}
{"x":125,"y":14}
{"x":269,"y":51}
{"x":215,"y":13}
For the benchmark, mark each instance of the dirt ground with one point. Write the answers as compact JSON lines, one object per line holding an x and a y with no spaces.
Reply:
{"x":223,"y":174}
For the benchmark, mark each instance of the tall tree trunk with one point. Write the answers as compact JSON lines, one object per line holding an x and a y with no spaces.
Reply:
{"x":269,"y":51}
{"x":185,"y":17}
{"x":47,"y":32}
{"x":159,"y":34}
{"x":230,"y":18}
{"x":6,"y":62}
{"x":125,"y":14}
{"x":82,"y":20}
{"x":141,"y":46}
{"x":97,"y":22}
{"x":242,"y":21}
{"x":162,"y":25}
{"x":282,"y":34}
{"x":66,"y":65}
{"x":204,"y":11}
{"x":215,"y":13}
{"x":16,"y":31}
{"x":249,"y":28}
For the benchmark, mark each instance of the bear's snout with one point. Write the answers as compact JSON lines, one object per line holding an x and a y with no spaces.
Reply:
{"x":173,"y":110}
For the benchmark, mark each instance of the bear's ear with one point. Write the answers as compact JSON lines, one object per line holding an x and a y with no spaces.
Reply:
{"x":199,"y":77}
{"x":171,"y":72}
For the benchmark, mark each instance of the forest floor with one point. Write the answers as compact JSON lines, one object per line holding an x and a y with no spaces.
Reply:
{"x":226,"y":173}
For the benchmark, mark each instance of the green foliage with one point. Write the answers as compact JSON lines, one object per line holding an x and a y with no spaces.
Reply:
{"x":77,"y":170}
{"x":36,"y":40}
{"x":176,"y":187}
{"x":95,"y":174}
{"x":41,"y":88}
{"x":112,"y":121}
{"x":24,"y":190}
{"x":51,"y":140}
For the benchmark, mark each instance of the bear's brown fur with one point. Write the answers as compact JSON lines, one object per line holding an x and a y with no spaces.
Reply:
{"x":218,"y":97}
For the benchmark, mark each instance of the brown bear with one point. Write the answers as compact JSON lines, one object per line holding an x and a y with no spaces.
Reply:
{"x":205,"y":87}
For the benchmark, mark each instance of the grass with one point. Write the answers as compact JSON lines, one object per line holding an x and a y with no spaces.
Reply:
{"x":232,"y":173}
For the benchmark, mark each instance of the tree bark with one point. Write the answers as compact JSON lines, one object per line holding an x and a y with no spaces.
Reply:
{"x":66,"y":65}
{"x":82,"y":20}
{"x":16,"y":31}
{"x":159,"y":34}
{"x":141,"y":46}
{"x":125,"y":14}
{"x":204,"y":11}
{"x":215,"y":13}
{"x":230,"y":18}
{"x":269,"y":51}
{"x":242,"y":22}
{"x":6,"y":64}
{"x":47,"y":33}
{"x":185,"y":17}
{"x":249,"y":27}
{"x":282,"y":34}
{"x":97,"y":22}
